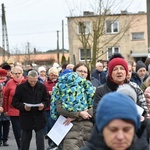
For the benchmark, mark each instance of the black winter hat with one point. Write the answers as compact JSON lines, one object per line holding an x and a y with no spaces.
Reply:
{"x":6,"y":66}
{"x":140,"y":65}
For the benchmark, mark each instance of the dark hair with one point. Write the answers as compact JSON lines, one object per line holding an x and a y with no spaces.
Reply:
{"x":64,"y":66}
{"x":82,"y":64}
{"x":116,"y":55}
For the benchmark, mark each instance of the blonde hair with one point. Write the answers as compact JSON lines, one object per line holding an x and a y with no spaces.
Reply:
{"x":18,"y":68}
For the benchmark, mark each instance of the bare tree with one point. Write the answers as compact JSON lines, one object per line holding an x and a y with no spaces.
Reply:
{"x":96,"y":38}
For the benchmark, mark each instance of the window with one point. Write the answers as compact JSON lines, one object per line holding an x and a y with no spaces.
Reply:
{"x":81,"y":54}
{"x":84,"y":27}
{"x":112,"y":26}
{"x":111,"y":51}
{"x":138,"y":36}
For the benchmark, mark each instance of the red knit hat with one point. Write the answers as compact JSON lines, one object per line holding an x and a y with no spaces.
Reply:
{"x":3,"y":72}
{"x":117,"y":61}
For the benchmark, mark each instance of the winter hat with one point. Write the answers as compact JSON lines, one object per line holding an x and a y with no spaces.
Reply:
{"x":128,"y":90}
{"x":53,"y":70}
{"x":140,"y":65}
{"x":66,"y":71}
{"x":41,"y":68}
{"x":6,"y":66}
{"x":3,"y":73}
{"x":56,"y":65}
{"x":117,"y":61}
{"x":115,"y":105}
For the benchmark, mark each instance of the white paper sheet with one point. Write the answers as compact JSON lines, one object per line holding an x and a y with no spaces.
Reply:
{"x":59,"y":130}
{"x":140,"y":110}
{"x":32,"y":105}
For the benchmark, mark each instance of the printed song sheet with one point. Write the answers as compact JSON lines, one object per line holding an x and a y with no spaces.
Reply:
{"x":59,"y":130}
{"x":140,"y":110}
{"x":32,"y":105}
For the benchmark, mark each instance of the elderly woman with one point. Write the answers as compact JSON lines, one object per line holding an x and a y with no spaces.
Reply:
{"x":9,"y":91}
{"x":117,"y":120}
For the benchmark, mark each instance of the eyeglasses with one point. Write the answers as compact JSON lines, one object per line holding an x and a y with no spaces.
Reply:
{"x":81,"y":71}
{"x":17,"y":73}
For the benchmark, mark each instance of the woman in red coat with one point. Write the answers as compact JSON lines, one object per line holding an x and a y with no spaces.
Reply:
{"x":9,"y":91}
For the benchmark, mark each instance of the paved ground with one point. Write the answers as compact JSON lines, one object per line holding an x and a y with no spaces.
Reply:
{"x":13,"y":146}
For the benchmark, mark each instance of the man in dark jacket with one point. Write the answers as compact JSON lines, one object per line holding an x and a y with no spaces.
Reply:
{"x":140,"y":75}
{"x":99,"y":74}
{"x":31,"y":99}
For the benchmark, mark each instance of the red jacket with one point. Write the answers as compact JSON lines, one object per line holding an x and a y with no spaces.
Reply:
{"x":49,"y":87}
{"x":8,"y":93}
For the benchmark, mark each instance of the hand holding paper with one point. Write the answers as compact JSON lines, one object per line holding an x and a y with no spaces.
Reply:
{"x":68,"y":121}
{"x":59,"y":130}
{"x":27,"y":108}
{"x":41,"y":107}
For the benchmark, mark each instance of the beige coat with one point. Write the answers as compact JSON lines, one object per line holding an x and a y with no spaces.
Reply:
{"x":79,"y":133}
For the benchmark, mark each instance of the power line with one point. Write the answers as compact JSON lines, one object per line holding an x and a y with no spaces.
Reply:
{"x":42,"y":32}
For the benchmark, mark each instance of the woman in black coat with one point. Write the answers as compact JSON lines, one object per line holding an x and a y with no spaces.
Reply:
{"x":117,"y":120}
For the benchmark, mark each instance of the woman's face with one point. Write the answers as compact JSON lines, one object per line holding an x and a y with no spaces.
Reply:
{"x":42,"y":73}
{"x":119,"y":74}
{"x":118,"y":134}
{"x":53,"y":77}
{"x":82,"y":71}
{"x":17,"y":74}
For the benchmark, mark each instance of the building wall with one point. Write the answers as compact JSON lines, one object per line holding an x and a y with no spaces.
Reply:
{"x":128,"y":23}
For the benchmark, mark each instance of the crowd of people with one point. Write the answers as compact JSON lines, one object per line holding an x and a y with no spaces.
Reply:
{"x":102,"y":105}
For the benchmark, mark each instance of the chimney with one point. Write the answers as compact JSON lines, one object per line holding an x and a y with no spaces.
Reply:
{"x":88,"y":13}
{"x":124,"y":12}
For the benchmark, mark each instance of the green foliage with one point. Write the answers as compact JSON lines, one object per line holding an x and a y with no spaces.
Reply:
{"x":63,"y":60}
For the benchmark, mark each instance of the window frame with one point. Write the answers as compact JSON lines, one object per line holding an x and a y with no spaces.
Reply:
{"x":87,"y":29}
{"x":88,"y":57}
{"x":137,"y":39}
{"x":112,"y":28}
{"x":112,"y":51}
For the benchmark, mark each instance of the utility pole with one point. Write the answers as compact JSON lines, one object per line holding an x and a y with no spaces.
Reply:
{"x":58,"y":47}
{"x":4,"y":34}
{"x":62,"y":37}
{"x":28,"y":48}
{"x":148,"y":25}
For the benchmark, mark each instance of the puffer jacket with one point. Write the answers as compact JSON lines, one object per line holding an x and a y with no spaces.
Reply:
{"x":76,"y":94}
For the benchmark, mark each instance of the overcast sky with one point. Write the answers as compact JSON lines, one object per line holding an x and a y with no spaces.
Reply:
{"x":36,"y":21}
